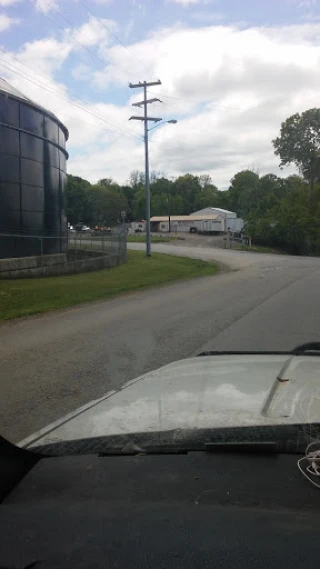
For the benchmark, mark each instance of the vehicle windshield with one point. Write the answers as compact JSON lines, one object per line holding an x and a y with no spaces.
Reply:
{"x":159,"y":199}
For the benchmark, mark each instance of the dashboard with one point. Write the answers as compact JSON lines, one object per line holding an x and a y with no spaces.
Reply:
{"x":192,"y":510}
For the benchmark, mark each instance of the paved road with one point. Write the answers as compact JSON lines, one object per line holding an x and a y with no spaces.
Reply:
{"x":54,"y":363}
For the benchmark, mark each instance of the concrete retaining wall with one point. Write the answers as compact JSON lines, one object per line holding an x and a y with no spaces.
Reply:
{"x":59,"y":264}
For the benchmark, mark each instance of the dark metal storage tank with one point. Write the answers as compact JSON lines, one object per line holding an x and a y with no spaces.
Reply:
{"x":32,"y":177}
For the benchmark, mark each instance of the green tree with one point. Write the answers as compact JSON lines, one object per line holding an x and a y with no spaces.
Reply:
{"x":188,"y":187}
{"x":78,"y":200}
{"x":243,"y":192}
{"x":299,"y":143}
{"x":139,"y":204}
{"x":286,"y":218}
{"x":108,"y":203}
{"x":160,"y":204}
{"x":136,"y":179}
{"x":176,"y":204}
{"x":129,"y":194}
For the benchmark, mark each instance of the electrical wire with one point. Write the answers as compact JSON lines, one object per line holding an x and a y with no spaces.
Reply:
{"x":114,"y":35}
{"x":126,"y":47}
{"x":124,"y":71}
{"x":65,"y":97}
{"x":99,"y":116}
{"x":257,"y":109}
{"x":92,"y":53}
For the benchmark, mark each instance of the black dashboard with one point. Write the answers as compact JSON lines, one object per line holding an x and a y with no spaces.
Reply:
{"x":194,"y":510}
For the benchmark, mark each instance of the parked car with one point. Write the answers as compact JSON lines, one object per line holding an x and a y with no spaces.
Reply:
{"x":81,"y":227}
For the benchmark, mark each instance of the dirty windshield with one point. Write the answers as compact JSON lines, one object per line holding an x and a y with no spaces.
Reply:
{"x":159,"y":199}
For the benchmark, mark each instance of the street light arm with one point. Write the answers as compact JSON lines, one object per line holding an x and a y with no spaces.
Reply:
{"x":171,"y":121}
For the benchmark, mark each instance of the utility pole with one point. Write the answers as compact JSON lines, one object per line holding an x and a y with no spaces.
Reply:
{"x":145,"y":118}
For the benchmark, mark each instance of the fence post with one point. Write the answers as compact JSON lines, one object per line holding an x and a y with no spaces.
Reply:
{"x":41,"y":245}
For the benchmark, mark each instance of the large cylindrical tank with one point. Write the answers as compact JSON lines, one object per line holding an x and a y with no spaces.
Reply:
{"x":32,"y":177}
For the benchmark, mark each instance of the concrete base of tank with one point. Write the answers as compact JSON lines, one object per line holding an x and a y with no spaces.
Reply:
{"x":75,"y":261}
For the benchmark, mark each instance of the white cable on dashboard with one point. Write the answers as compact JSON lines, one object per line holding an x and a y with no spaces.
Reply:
{"x":313,"y":460}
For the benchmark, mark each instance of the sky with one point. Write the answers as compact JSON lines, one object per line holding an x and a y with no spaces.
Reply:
{"x":231,"y":71}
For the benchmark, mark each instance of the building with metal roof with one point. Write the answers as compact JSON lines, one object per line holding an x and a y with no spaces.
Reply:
{"x":216,"y":211}
{"x":188,"y":223}
{"x":192,"y":217}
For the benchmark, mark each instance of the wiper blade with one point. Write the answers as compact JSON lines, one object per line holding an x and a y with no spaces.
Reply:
{"x":244,"y":353}
{"x":143,"y":451}
{"x":243,"y":446}
{"x":310,"y":349}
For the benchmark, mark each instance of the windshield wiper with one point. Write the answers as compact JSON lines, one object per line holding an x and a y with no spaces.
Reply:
{"x":310,"y":349}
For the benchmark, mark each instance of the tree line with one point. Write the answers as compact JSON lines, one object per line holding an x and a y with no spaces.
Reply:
{"x":281,"y":212}
{"x":103,"y":203}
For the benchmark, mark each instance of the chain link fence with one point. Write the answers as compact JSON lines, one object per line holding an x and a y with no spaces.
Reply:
{"x":73,"y":244}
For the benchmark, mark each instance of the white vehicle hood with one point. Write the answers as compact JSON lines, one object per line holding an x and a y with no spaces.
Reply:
{"x":199,"y":393}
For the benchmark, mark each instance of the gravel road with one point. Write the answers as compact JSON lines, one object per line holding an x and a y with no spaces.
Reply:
{"x":53,"y":363}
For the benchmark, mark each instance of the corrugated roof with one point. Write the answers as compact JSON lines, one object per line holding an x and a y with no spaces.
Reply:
{"x":184,"y":218}
{"x":214,"y":209}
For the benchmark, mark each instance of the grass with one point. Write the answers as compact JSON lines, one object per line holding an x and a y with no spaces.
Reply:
{"x":142,"y":239}
{"x":24,"y":297}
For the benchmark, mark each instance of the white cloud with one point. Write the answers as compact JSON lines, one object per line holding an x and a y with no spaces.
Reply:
{"x":306,"y":3}
{"x":81,"y":71}
{"x":229,"y":88}
{"x":208,"y":17}
{"x":94,"y":32}
{"x":46,"y":5}
{"x":5,"y":3}
{"x":6,"y":22}
{"x":46,"y":56}
{"x":302,"y":4}
{"x":42,"y":5}
{"x":187,"y":2}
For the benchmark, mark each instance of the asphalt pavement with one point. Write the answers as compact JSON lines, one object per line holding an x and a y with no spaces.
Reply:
{"x":53,"y":363}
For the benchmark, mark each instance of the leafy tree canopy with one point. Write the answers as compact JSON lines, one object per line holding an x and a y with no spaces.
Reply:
{"x":299,"y":143}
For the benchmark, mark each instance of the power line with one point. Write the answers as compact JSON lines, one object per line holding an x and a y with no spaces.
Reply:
{"x":199,"y":102}
{"x":99,"y":116}
{"x":65,"y":97}
{"x":74,"y":39}
{"x":113,"y":34}
{"x":124,"y":71}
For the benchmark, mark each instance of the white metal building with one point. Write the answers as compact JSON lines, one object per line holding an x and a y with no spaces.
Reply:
{"x":231,"y":221}
{"x":188,"y":223}
{"x":207,"y":220}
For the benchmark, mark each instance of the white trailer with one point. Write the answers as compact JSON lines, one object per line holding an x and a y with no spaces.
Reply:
{"x":234,"y":224}
{"x":210,"y":226}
